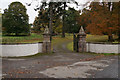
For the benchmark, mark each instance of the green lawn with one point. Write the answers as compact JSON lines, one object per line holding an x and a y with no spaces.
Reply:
{"x":70,"y":46}
{"x":57,"y":39}
{"x":89,"y":38}
{"x":33,"y":38}
{"x":98,"y":38}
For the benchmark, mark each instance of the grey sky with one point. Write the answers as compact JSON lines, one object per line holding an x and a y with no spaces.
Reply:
{"x":30,"y":9}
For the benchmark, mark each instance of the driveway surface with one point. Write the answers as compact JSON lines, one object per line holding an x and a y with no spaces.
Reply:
{"x":62,"y":64}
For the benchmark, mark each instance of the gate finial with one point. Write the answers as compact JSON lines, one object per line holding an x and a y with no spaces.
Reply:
{"x":46,"y":31}
{"x":82,"y":31}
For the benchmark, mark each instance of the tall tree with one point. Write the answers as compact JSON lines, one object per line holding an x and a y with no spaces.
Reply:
{"x":15,"y":19}
{"x":102,"y":20}
{"x":116,"y":11}
{"x":63,"y":27}
{"x":82,"y":20}
{"x":41,"y":21}
{"x":58,"y":6}
{"x":0,"y":22}
{"x":46,"y":18}
{"x":71,"y":24}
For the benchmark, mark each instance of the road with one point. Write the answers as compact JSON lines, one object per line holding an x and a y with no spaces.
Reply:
{"x":62,"y":64}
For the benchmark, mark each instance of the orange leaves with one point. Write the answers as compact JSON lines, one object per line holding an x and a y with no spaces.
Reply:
{"x":102,"y":20}
{"x":94,"y":28}
{"x":93,"y":58}
{"x":99,"y":20}
{"x":110,"y":28}
{"x":20,"y":72}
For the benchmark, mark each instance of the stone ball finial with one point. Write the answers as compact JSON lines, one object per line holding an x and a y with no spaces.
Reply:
{"x":81,"y":31}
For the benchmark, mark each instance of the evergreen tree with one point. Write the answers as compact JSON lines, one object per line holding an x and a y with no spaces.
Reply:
{"x":15,"y":20}
{"x":71,"y":24}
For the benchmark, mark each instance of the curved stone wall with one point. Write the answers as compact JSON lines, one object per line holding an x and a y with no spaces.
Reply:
{"x":15,"y":50}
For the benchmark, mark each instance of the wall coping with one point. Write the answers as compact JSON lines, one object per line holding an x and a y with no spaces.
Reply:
{"x":103,"y":43}
{"x":18,"y":43}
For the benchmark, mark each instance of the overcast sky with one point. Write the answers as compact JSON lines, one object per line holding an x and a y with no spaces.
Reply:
{"x":30,"y":9}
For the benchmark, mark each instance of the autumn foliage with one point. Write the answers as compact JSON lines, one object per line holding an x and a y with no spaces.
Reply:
{"x":102,"y":18}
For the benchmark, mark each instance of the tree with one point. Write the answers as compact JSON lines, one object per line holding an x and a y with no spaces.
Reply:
{"x":82,"y":19}
{"x":57,"y":7}
{"x":44,"y":19}
{"x":41,"y":21}
{"x":0,"y":22}
{"x":116,"y":11}
{"x":64,"y":12}
{"x":102,"y":20}
{"x":71,"y":24}
{"x":15,"y":20}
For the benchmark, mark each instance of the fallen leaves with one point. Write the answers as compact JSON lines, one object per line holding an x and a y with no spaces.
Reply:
{"x":15,"y":72}
{"x":20,"y":72}
{"x":93,"y":58}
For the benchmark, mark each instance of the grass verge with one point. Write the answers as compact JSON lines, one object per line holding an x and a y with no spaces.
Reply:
{"x":70,"y":46}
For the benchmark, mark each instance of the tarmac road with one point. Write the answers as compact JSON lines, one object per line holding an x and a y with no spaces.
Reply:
{"x":62,"y":64}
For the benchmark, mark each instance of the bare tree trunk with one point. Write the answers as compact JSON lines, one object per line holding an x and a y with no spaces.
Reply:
{"x":63,"y":28}
{"x":51,"y":20}
{"x":119,"y":25}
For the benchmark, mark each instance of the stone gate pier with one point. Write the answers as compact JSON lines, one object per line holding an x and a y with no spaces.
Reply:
{"x":80,"y":41}
{"x":46,"y":47}
{"x":80,"y":45}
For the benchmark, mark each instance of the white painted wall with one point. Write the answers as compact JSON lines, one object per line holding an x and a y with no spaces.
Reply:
{"x":103,"y":48}
{"x":31,"y":49}
{"x":118,"y":48}
{"x":39,"y":47}
{"x":21,"y":49}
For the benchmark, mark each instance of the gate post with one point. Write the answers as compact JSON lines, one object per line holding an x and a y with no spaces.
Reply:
{"x":46,"y":47}
{"x":81,"y":40}
{"x":75,"y":43}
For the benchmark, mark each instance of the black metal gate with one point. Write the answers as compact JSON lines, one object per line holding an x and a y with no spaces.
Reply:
{"x":75,"y":42}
